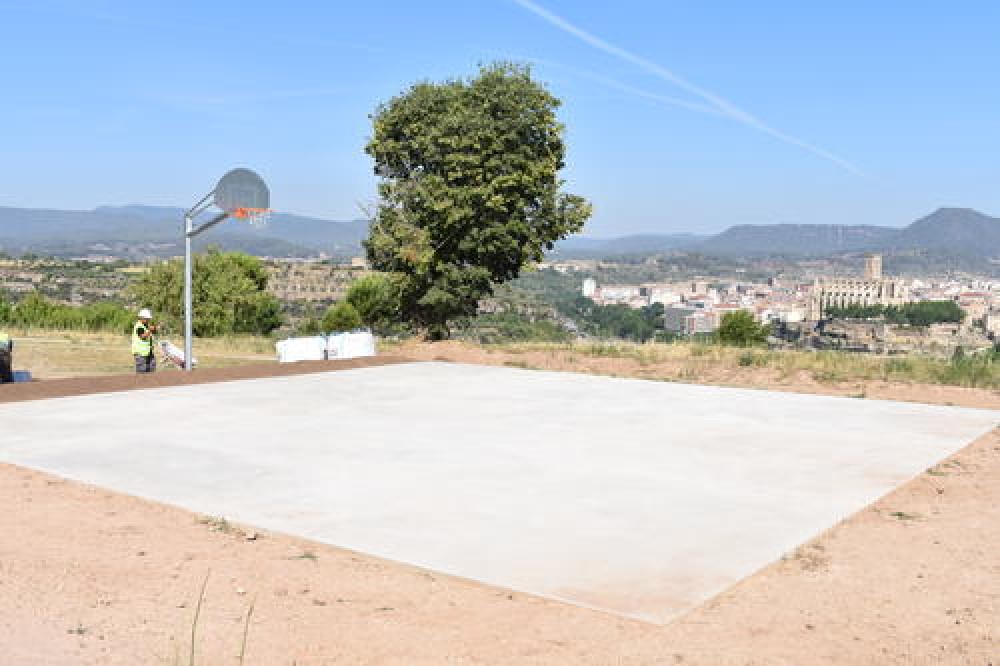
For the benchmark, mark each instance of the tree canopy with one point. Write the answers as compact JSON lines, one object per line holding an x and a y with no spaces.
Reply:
{"x":376,"y":299}
{"x":36,"y":311}
{"x":740,"y":329}
{"x":341,"y":317}
{"x":469,"y":191}
{"x":229,"y":293}
{"x":921,"y":313}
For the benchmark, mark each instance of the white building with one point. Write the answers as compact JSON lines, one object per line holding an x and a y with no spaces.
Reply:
{"x":873,"y":289}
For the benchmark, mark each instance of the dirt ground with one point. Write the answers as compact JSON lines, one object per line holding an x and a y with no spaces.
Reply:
{"x":75,"y":386}
{"x":93,"y":577}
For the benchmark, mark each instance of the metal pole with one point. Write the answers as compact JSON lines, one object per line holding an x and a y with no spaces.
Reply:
{"x":188,"y":305}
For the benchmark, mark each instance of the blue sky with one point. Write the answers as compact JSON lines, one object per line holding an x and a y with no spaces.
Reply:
{"x":681,"y":116}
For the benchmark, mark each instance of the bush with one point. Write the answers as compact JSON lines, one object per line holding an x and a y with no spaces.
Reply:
{"x":504,"y":327}
{"x":740,"y":329}
{"x":230,"y":294}
{"x":309,"y":326}
{"x":613,"y":321}
{"x":341,"y":317}
{"x":749,"y":359}
{"x":376,"y":299}
{"x":35,"y":311}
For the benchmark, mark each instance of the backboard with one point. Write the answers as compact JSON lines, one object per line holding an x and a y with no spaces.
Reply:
{"x":242,"y":190}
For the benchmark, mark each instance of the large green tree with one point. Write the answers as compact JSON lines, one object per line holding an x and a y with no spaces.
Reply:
{"x":229,"y":293}
{"x":740,"y":329}
{"x":469,"y":191}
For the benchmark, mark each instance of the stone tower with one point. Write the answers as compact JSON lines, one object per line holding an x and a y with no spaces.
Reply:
{"x":873,"y":267}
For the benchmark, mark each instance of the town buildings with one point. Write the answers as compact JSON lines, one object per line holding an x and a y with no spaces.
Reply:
{"x":799,"y":305}
{"x":872,"y":289}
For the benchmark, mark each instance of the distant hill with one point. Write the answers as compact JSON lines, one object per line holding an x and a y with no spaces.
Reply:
{"x":951,"y":231}
{"x":581,"y":247}
{"x":797,"y":239}
{"x":156,"y":231}
{"x":140,"y":231}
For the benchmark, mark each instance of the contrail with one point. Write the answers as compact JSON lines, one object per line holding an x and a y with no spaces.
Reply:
{"x":724,"y":106}
{"x":624,"y":87}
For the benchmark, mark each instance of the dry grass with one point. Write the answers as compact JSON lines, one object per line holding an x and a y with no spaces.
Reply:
{"x":50,"y":354}
{"x":826,"y":366}
{"x":830,"y":373}
{"x":53,"y":354}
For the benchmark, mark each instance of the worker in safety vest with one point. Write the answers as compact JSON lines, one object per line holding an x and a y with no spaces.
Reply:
{"x":142,"y":342}
{"x":6,"y":362}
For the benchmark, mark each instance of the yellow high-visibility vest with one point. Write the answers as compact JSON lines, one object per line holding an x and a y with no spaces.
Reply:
{"x":141,"y":347}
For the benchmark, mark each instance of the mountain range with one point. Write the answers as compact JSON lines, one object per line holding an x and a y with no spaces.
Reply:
{"x":143,"y":231}
{"x":156,"y":231}
{"x":949,"y":231}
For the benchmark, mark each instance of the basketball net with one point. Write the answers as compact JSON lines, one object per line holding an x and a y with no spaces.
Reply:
{"x":255,"y":217}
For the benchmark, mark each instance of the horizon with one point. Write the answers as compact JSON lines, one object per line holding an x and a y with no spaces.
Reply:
{"x":677,"y":122}
{"x":583,"y":235}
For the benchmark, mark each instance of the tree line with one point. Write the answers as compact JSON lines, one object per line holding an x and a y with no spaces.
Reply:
{"x":921,"y":313}
{"x":36,"y":311}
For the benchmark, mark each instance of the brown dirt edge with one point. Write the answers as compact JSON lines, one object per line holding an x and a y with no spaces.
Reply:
{"x":876,"y":588}
{"x":60,"y":388}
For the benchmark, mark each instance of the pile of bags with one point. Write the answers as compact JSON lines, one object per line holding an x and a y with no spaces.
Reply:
{"x":326,"y":347}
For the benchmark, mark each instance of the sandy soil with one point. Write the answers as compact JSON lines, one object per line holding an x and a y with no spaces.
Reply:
{"x":93,"y":577}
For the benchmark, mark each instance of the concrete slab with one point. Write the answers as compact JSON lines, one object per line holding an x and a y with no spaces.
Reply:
{"x":636,"y":497}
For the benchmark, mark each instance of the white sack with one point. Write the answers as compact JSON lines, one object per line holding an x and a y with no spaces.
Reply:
{"x":350,"y":345}
{"x":301,"y":349}
{"x":175,"y":354}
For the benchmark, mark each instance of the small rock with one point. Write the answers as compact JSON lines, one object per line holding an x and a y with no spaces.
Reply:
{"x":240,"y":591}
{"x":251,"y":536}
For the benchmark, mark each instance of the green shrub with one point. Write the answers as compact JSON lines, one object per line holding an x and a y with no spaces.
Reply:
{"x":750,"y":359}
{"x":341,"y":317}
{"x":376,"y":299}
{"x":740,"y":329}
{"x":229,"y":291}
{"x":36,"y":311}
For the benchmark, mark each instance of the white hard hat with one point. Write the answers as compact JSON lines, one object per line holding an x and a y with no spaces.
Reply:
{"x":145,"y":314}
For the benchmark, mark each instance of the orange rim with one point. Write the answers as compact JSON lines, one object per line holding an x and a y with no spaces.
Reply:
{"x":244,"y":213}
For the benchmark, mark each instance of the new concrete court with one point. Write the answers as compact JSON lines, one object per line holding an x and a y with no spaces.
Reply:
{"x":636,"y":497}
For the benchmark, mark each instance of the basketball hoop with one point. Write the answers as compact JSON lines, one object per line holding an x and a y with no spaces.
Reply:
{"x":255,"y":217}
{"x":242,"y":194}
